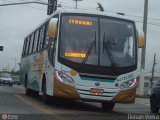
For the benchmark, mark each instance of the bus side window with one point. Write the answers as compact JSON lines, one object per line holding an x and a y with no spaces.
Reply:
{"x":31,"y":43}
{"x":41,"y":46}
{"x":33,"y":37}
{"x":51,"y":51}
{"x":43,"y":36}
{"x":28,"y":44}
{"x":36,"y":41}
{"x":24,"y":48}
{"x":46,"y":38}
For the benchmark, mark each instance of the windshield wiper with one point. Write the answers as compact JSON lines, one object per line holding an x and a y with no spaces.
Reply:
{"x":90,"y":49}
{"x":106,"y":46}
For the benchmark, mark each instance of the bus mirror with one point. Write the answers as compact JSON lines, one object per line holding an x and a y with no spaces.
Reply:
{"x":141,"y":41}
{"x":52,"y":28}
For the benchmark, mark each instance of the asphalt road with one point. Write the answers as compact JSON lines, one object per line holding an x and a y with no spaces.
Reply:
{"x":15,"y":105}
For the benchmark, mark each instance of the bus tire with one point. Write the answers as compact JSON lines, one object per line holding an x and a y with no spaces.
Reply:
{"x":107,"y":106}
{"x":27,"y":90}
{"x":45,"y":96}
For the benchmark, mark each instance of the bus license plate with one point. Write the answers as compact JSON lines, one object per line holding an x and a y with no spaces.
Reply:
{"x":96,"y":91}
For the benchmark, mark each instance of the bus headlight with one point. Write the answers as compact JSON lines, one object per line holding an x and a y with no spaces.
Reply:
{"x":64,"y":78}
{"x":128,"y":84}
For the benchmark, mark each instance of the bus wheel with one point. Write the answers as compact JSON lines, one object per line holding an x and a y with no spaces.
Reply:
{"x":27,"y":91}
{"x":107,"y":106}
{"x":45,"y":96}
{"x":35,"y":93}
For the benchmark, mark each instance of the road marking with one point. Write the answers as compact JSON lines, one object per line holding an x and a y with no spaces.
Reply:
{"x":46,"y":111}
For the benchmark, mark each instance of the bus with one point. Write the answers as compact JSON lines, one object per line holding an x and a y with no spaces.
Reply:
{"x":83,"y":55}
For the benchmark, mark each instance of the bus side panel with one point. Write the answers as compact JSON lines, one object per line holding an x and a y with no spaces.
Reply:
{"x":29,"y":73}
{"x":35,"y":67}
{"x":48,"y":71}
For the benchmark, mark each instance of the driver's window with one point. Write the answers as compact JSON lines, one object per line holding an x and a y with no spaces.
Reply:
{"x":128,"y":46}
{"x":51,"y":51}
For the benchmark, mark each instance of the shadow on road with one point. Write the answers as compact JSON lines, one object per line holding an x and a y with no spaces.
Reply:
{"x":76,"y":105}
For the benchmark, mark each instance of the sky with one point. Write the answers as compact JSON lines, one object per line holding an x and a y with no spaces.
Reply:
{"x":17,"y":21}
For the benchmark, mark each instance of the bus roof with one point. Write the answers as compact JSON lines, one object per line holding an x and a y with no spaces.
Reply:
{"x":92,"y":12}
{"x":80,"y":11}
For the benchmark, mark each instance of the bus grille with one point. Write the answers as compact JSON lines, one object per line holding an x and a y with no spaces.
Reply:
{"x":85,"y":92}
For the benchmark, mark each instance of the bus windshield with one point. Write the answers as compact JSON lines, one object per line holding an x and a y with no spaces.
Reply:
{"x":97,"y":41}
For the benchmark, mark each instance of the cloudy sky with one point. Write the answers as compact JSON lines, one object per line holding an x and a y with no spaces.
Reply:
{"x":17,"y":21}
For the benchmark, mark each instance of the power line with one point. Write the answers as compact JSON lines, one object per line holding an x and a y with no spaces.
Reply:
{"x":79,"y":5}
{"x":27,"y":6}
{"x":2,"y":7}
{"x":114,"y":12}
{"x":140,"y":21}
{"x":151,"y":23}
{"x":129,"y":15}
{"x":88,"y":8}
{"x":149,"y":18}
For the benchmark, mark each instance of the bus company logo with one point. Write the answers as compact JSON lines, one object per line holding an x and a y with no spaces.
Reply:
{"x":4,"y":116}
{"x":37,"y":61}
{"x":97,"y":84}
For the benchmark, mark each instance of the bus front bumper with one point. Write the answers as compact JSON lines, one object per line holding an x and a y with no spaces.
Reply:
{"x":69,"y":91}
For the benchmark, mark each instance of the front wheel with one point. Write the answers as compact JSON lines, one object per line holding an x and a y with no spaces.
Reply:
{"x":108,"y":106}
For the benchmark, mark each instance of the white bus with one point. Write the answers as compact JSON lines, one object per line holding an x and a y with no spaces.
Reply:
{"x":82,"y":55}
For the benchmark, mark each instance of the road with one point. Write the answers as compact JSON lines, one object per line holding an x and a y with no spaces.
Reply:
{"x":16,"y":105}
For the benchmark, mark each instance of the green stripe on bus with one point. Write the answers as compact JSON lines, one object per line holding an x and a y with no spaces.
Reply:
{"x":97,"y":79}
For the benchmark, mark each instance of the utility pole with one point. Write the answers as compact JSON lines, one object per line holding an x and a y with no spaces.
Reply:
{"x":154,"y":63}
{"x":143,"y":54}
{"x":76,"y":3}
